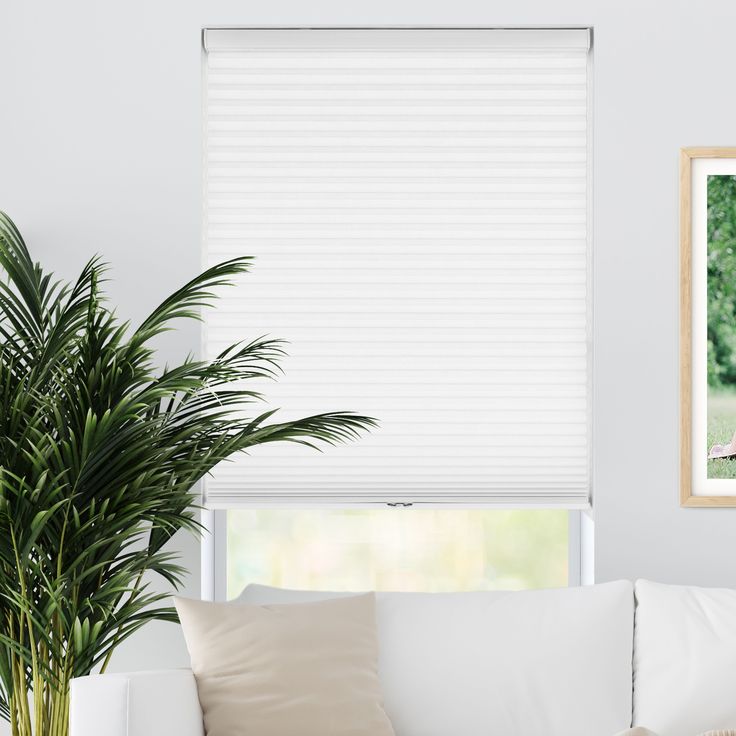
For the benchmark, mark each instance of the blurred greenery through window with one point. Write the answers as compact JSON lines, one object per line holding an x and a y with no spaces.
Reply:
{"x":409,"y":549}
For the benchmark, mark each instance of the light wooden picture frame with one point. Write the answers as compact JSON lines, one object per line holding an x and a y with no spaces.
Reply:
{"x":707,"y":323}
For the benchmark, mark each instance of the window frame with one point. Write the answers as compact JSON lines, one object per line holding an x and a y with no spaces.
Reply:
{"x":214,"y":546}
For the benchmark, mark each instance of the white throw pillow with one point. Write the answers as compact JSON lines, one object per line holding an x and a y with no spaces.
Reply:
{"x":528,"y":663}
{"x":639,"y":731}
{"x":684,"y":659}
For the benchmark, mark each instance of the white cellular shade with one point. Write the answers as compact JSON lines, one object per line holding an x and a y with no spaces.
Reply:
{"x":417,"y":205}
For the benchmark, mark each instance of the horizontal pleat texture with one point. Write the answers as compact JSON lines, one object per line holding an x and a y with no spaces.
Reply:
{"x":420,"y":224}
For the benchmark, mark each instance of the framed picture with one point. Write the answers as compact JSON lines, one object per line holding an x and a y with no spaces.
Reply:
{"x":708,"y":326}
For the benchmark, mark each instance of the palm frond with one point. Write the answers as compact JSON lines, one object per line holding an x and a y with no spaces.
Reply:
{"x":187,"y":302}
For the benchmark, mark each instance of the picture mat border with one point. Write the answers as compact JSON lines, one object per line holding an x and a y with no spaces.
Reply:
{"x":696,"y":489}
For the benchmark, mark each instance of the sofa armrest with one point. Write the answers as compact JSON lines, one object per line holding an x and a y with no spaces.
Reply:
{"x":157,"y":703}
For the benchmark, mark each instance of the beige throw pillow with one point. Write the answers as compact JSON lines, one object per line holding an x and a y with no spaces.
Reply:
{"x":309,"y":669}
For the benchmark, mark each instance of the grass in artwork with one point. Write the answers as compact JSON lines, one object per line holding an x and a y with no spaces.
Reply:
{"x":721,"y":320}
{"x":721,"y":426}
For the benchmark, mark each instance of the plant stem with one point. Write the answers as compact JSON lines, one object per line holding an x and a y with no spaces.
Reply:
{"x":133,"y":595}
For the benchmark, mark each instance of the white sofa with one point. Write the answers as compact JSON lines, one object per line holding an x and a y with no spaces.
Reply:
{"x":569,"y":662}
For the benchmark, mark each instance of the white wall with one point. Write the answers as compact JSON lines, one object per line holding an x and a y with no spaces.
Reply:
{"x":100,"y":140}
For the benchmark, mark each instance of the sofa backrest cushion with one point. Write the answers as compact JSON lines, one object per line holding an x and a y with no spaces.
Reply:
{"x":684,"y":658}
{"x":546,"y":662}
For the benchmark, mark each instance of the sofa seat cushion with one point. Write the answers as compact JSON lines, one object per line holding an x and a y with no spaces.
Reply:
{"x":531,"y":663}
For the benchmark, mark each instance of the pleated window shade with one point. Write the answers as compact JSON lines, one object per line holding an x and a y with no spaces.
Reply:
{"x":417,"y":204}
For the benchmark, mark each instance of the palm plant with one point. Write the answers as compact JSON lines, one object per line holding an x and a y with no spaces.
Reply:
{"x":99,"y":452}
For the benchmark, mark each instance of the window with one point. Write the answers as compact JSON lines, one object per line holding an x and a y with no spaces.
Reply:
{"x":417,"y":549}
{"x":417,"y":204}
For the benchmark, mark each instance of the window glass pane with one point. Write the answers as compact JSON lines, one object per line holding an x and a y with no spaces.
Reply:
{"x":397,"y":549}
